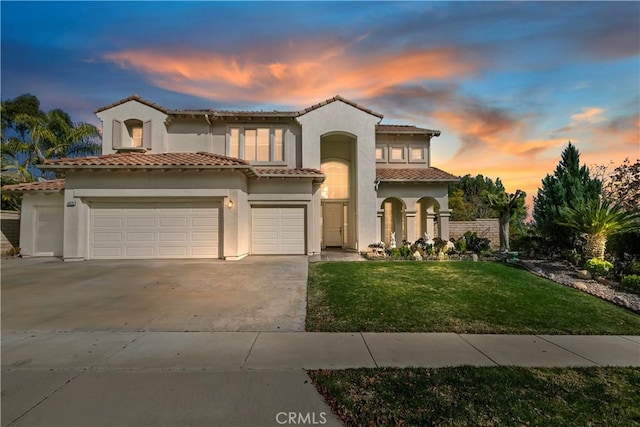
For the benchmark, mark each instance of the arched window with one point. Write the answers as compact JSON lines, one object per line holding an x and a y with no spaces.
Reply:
{"x":336,"y":185}
{"x":134,"y":130}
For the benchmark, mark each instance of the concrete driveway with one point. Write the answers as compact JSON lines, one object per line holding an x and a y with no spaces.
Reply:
{"x":265,"y":293}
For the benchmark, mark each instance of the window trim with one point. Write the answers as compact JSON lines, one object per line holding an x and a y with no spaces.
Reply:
{"x":272,"y":144}
{"x":384,"y":154}
{"x":404,"y":155}
{"x":415,"y":160}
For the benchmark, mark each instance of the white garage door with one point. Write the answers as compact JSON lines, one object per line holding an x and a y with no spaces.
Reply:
{"x":49,"y":230}
{"x":154,"y":230}
{"x":277,"y":231}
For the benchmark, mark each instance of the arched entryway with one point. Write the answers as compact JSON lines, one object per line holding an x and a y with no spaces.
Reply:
{"x":393,"y":220}
{"x":337,"y":192}
{"x":426,"y":217}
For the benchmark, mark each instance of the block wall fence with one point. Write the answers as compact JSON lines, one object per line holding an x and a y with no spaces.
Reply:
{"x":483,"y":227}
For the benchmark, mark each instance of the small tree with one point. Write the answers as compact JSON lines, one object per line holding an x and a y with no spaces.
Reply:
{"x":568,"y":188}
{"x":599,"y":220}
{"x":507,"y":205}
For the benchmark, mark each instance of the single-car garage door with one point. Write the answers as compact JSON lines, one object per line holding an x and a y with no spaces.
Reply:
{"x":277,"y":231}
{"x":154,"y":230}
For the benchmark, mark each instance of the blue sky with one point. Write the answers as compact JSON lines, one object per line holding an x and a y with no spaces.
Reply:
{"x":508,"y":84}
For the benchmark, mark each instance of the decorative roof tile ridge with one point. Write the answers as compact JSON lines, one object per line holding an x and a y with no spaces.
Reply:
{"x":134,"y":97}
{"x":338,"y":98}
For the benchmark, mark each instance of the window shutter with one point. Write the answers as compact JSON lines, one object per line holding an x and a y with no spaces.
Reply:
{"x":146,"y":135}
{"x":116,"y":135}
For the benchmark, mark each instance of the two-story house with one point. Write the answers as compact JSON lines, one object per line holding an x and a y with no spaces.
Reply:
{"x":227,"y":184}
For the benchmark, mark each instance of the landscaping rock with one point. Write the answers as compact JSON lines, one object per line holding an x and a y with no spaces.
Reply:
{"x":620,"y":301}
{"x":564,"y":274}
{"x":584,"y":274}
{"x":581,"y":286}
{"x":474,"y":257}
{"x":417,"y":256}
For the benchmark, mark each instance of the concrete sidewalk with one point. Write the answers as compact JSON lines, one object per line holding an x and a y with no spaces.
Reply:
{"x":303,"y":350}
{"x":241,"y":378}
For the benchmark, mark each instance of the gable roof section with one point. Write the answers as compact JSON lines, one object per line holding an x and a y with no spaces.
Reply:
{"x":339,"y":98}
{"x":414,"y":175}
{"x":52,"y":186}
{"x":134,"y":97}
{"x":405,"y":130}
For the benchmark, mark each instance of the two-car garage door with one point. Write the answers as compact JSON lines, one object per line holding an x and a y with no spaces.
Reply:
{"x":154,"y":230}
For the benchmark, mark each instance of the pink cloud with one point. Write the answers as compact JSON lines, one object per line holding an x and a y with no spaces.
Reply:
{"x":302,"y":74}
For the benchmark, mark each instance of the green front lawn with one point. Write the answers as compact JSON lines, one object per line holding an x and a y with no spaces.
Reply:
{"x":487,"y":396}
{"x":474,"y":297}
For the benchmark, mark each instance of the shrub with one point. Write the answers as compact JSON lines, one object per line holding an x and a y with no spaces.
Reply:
{"x":395,"y":253}
{"x":598,"y":267}
{"x":461,"y":245}
{"x":439,"y":244}
{"x":631,"y":281}
{"x":405,"y":251}
{"x":633,"y":268}
{"x":477,"y":244}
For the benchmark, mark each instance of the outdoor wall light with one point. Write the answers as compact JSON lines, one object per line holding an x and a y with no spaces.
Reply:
{"x":230,"y":204}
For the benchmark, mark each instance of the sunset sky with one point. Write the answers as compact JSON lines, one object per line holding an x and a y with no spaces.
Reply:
{"x":508,"y":84}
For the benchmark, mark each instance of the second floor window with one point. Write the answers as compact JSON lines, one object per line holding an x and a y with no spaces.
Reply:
{"x":261,"y":144}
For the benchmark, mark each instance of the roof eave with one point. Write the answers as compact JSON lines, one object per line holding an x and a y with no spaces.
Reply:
{"x":142,"y":167}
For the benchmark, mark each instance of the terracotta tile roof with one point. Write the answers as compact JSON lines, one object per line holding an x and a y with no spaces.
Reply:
{"x":414,"y":174}
{"x":52,"y":186}
{"x":339,"y":98}
{"x":134,"y":97}
{"x":288,"y":172}
{"x":405,"y":129}
{"x":143,"y":159}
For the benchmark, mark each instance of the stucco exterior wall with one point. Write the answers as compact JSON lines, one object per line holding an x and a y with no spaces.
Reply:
{"x":30,"y":202}
{"x":138,"y":111}
{"x":341,"y":117}
{"x":193,"y":135}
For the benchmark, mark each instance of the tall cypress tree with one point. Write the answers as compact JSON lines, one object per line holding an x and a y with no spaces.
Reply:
{"x":569,"y":187}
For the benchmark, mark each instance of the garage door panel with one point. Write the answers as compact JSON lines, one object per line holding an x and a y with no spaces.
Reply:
{"x":204,"y":237}
{"x":141,"y":222}
{"x":173,"y":252}
{"x":172,"y":237}
{"x":140,"y":237}
{"x":180,"y":222}
{"x":278,"y":231}
{"x":155,"y":229}
{"x":110,"y":252}
{"x":108,"y":222}
{"x":139,"y":251}
{"x":107,"y":237}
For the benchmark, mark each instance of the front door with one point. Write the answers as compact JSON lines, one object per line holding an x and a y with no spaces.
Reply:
{"x":332,"y":222}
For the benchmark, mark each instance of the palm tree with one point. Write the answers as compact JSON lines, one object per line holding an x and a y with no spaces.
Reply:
{"x":506,"y":205}
{"x":54,"y":136}
{"x":599,"y":220}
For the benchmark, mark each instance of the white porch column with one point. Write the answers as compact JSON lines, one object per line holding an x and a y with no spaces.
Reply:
{"x":379,"y":226}
{"x":411,"y":226}
{"x":431,"y":223}
{"x":443,"y":223}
